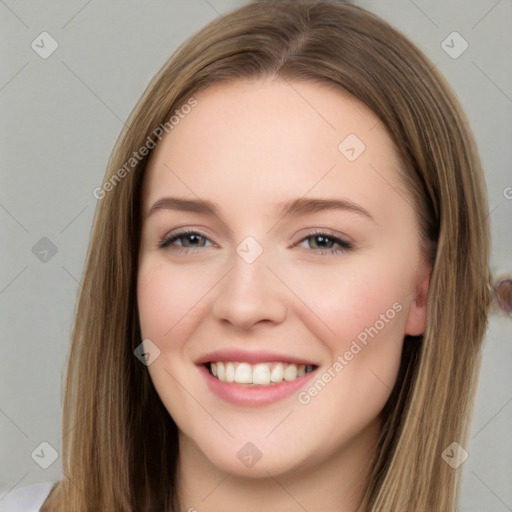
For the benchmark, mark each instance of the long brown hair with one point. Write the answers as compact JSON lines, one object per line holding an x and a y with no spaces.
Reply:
{"x":119,"y":443}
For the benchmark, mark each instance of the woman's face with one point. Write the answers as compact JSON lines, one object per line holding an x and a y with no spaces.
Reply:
{"x":288,"y":244}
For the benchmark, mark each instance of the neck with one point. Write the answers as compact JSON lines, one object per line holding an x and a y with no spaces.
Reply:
{"x":332,"y":484}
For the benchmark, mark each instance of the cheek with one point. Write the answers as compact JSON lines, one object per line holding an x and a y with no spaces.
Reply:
{"x":362,"y":311}
{"x":169,"y":305}
{"x":156,"y":305}
{"x":344,"y":300}
{"x":167,"y":300}
{"x":365,"y":317}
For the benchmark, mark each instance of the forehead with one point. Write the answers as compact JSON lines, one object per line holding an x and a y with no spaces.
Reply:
{"x":249,"y":143}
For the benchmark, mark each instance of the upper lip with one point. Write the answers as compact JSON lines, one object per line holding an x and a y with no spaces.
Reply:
{"x":250,"y":356}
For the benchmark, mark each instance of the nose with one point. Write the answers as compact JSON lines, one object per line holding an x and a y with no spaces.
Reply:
{"x":249,"y":295}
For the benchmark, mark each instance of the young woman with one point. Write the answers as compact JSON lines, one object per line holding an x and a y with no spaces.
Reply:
{"x":287,"y":284}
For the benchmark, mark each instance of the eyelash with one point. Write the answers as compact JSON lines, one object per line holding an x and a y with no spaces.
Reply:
{"x":344,"y":246}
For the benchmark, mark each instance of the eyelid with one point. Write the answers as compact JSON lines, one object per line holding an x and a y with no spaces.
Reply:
{"x":179,"y":233}
{"x":307,"y":232}
{"x":343,"y":245}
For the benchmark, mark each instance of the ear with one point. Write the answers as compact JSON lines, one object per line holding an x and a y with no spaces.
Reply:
{"x":417,"y":317}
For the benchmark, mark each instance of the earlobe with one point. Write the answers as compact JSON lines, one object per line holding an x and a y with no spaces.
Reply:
{"x":417,"y":317}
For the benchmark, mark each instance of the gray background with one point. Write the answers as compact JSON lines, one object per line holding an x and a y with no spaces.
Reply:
{"x":60,"y":118}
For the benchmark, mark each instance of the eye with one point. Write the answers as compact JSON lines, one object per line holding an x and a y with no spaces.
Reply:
{"x":320,"y":242}
{"x":325,"y":243}
{"x":188,"y":239}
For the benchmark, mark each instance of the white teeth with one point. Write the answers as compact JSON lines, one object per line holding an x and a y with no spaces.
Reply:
{"x":290,"y":372}
{"x":262,"y":374}
{"x":243,"y":374}
{"x":277,"y":373}
{"x":221,"y":371}
{"x":230,"y":372}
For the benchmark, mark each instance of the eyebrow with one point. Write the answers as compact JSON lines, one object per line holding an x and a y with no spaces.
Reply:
{"x":294,"y":207}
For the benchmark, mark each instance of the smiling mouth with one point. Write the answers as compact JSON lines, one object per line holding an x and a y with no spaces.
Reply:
{"x":261,"y":374}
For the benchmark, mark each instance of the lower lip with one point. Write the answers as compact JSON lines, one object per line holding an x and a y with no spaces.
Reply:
{"x":253,"y":396}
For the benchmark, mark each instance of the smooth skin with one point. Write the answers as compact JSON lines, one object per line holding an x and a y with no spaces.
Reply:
{"x":249,"y":146}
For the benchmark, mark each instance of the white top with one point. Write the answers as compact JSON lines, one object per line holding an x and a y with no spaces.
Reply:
{"x":25,"y":499}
